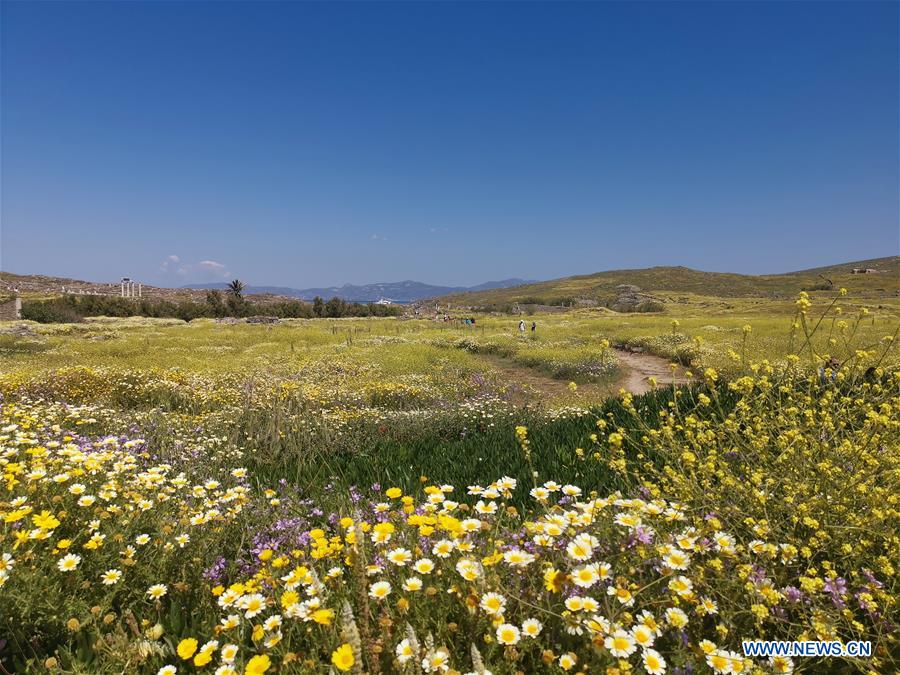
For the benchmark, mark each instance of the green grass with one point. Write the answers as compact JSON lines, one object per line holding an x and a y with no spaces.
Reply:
{"x":439,"y":361}
{"x":448,"y":449}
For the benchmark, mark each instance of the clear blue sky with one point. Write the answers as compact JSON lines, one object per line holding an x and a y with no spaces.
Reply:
{"x":321,"y":143}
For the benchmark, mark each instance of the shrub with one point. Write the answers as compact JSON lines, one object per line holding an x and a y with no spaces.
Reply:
{"x":50,"y":311}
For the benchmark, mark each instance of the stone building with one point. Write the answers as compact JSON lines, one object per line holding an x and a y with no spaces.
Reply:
{"x":10,"y":308}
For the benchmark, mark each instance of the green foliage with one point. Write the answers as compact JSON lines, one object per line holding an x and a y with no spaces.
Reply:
{"x":74,"y":308}
{"x":50,"y":311}
{"x":236,"y":289}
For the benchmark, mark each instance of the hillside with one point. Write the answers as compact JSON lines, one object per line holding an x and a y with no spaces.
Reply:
{"x":38,"y":286}
{"x":35,"y":286}
{"x":889,"y":265}
{"x":602,"y":288}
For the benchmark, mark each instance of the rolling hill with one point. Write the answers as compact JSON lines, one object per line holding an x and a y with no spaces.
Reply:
{"x":38,"y":285}
{"x":603,"y":288}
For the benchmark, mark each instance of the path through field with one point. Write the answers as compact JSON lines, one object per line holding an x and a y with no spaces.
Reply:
{"x":527,"y":384}
{"x":637,"y":369}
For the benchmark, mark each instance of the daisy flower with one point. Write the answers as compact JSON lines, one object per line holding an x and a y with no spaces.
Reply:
{"x":253,"y":604}
{"x":399,"y":556}
{"x":532,"y":628}
{"x":437,"y":661}
{"x":507,"y":634}
{"x":379,"y":590}
{"x":493,"y":604}
{"x":654,"y":663}
{"x":111,"y":577}
{"x":620,"y":644}
{"x":424,"y":566}
{"x":404,"y":651}
{"x":643,"y":635}
{"x":412,"y":584}
{"x":68,"y":562}
{"x":156,"y":591}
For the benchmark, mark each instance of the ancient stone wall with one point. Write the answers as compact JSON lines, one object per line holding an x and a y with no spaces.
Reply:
{"x":11,"y":309}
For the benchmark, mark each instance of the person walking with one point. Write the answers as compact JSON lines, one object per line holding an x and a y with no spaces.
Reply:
{"x":533,"y":327}
{"x":522,"y":326}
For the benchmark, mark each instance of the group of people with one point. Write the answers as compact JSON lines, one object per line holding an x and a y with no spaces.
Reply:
{"x":469,"y":321}
{"x":446,"y":318}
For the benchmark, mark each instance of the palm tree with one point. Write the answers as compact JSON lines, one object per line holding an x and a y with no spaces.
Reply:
{"x":236,"y":289}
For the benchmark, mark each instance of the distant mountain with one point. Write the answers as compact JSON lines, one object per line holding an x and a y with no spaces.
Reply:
{"x":397,"y":291}
{"x":505,"y":283}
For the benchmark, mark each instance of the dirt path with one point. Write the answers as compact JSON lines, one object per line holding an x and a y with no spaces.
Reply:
{"x":526,"y":384}
{"x":639,"y":368}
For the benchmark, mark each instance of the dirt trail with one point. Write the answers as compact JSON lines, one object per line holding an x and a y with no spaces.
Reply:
{"x":526,"y":384}
{"x":639,"y":368}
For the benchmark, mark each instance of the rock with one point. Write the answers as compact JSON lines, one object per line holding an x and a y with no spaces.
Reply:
{"x":22,"y":330}
{"x":630,"y":299}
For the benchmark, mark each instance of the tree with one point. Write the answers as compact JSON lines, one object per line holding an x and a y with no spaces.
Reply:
{"x":236,"y":289}
{"x":318,"y":306}
{"x":214,"y":302}
{"x":335,"y":308}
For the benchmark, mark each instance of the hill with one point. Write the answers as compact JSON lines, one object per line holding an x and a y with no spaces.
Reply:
{"x":39,"y":285}
{"x":889,"y":265}
{"x":659,"y":283}
{"x":619,"y":289}
{"x":36,"y":286}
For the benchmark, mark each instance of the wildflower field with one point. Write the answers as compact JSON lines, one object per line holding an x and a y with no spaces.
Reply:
{"x":409,"y":496}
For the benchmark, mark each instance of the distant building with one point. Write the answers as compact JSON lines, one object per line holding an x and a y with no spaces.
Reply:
{"x":131,"y":288}
{"x":864,"y":270}
{"x":384,"y":301}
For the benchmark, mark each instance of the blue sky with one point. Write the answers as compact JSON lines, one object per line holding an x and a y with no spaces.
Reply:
{"x":321,"y":143}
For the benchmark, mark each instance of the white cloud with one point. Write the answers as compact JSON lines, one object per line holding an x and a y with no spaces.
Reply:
{"x":205,"y":269}
{"x":378,"y":237}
